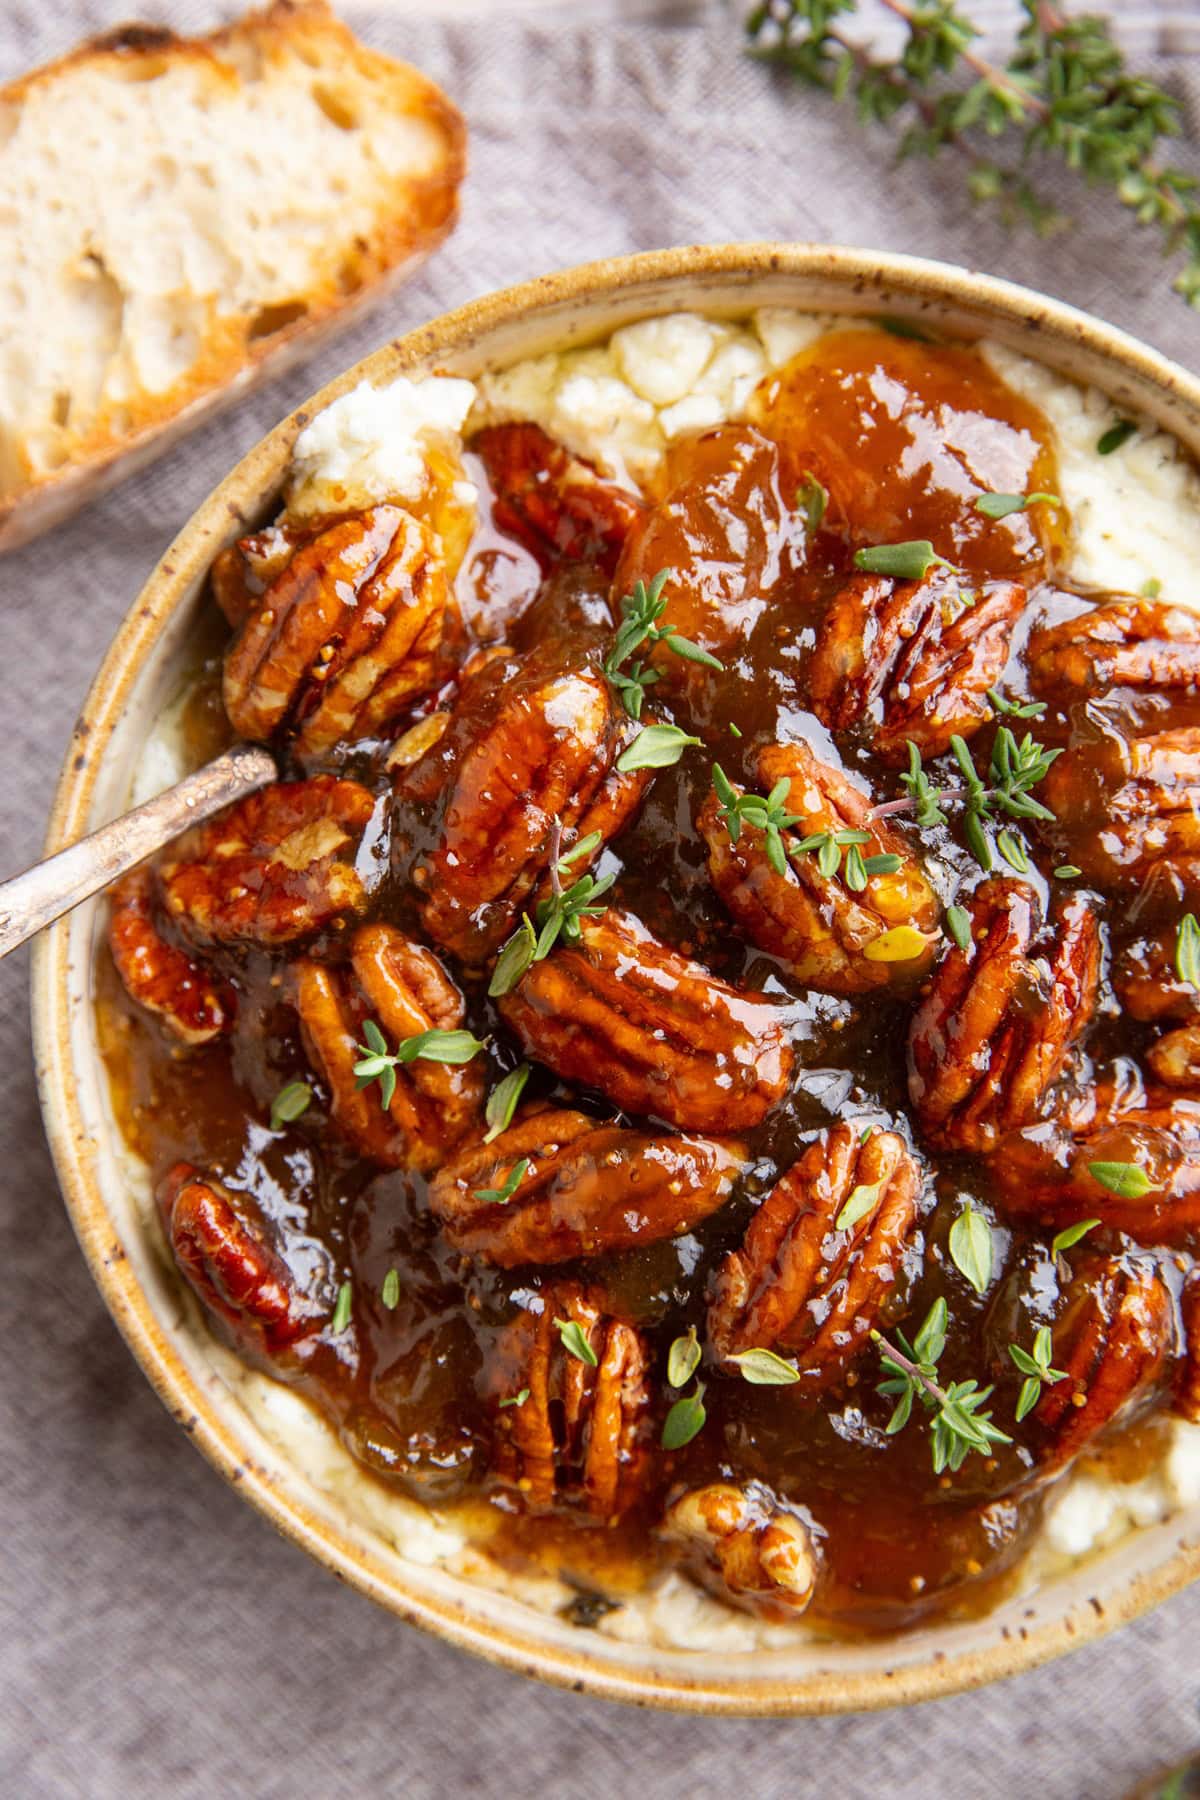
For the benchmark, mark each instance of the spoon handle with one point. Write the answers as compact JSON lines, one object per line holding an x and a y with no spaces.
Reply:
{"x":51,"y":888}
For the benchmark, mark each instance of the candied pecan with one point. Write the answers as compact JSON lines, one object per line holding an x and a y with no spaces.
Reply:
{"x":749,"y":1547}
{"x":222,"y":1244}
{"x":531,"y":742}
{"x":814,"y":923}
{"x":404,"y":989}
{"x":998,"y":1022}
{"x":1045,"y":1170}
{"x":553,"y":503}
{"x":1113,"y":1341}
{"x":270,"y":868}
{"x":1120,"y":643}
{"x":1128,"y":804}
{"x":242,"y":572}
{"x":913,"y":658}
{"x":727,"y":533}
{"x":345,"y":637}
{"x":1175,"y":1057}
{"x":801,"y":1282}
{"x":654,"y":1031}
{"x":580,"y":1432}
{"x":192,"y":1002}
{"x":1147,"y":982}
{"x":583,"y":1188}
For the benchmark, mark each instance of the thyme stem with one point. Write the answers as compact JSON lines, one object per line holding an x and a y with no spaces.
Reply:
{"x":913,"y":1370}
{"x":892,"y":808}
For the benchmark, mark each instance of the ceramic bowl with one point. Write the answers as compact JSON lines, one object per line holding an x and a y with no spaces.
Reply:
{"x":138,"y":674}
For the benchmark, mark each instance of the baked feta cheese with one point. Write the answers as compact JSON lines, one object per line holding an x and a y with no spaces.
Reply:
{"x":370,"y":444}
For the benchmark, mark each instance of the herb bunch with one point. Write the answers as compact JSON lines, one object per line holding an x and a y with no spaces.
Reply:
{"x":1063,"y":91}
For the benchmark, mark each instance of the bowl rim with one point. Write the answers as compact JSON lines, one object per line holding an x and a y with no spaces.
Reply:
{"x":892,"y":282}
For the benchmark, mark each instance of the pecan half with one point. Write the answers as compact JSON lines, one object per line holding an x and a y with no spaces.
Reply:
{"x":553,"y":503}
{"x":729,"y":536}
{"x":404,"y":989}
{"x":582,"y":1189}
{"x":653,"y":1030}
{"x":1175,"y":1057}
{"x":913,"y":658}
{"x":999,"y":1021}
{"x":531,"y":742}
{"x":1129,"y":805}
{"x":345,"y":637}
{"x":750,"y":1548}
{"x":223,"y":1246}
{"x":1114,"y":1341}
{"x":193,"y":1003}
{"x":580,"y":1433}
{"x":799,"y":1280}
{"x":1120,"y":643}
{"x":814,"y":923}
{"x":1045,"y":1170}
{"x":272,"y":868}
{"x":1147,"y":982}
{"x":242,"y":572}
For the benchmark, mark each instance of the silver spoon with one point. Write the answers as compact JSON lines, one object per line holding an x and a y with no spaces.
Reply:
{"x":51,"y":888}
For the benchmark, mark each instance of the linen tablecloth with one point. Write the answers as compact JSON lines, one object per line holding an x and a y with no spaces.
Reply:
{"x":158,"y":1639}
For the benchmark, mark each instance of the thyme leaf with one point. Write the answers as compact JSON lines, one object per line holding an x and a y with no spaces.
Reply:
{"x":909,"y":561}
{"x":502,"y":1101}
{"x":503,"y":1194}
{"x":685,"y":1420}
{"x":290,"y":1103}
{"x":683,"y":1358}
{"x":575,"y":1341}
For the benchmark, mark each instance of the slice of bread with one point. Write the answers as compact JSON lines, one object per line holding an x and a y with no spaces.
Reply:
{"x":177,"y":215}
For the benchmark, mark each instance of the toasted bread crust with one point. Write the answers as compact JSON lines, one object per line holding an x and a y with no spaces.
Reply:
{"x":415,"y":211}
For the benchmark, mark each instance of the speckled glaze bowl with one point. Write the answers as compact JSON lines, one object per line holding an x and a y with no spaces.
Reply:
{"x":140,"y":671}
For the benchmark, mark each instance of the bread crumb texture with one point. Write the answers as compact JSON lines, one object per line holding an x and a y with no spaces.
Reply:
{"x":174,"y":211}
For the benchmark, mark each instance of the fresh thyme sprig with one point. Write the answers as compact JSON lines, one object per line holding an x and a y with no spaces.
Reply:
{"x":1063,"y":90}
{"x":1036,"y":1369}
{"x":857,"y":870}
{"x":767,"y":815}
{"x":553,"y":918}
{"x":640,"y":613}
{"x":960,"y":1424}
{"x":378,"y":1063}
{"x":1016,"y":767}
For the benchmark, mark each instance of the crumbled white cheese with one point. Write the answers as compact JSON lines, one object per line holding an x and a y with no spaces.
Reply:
{"x":783,"y":332}
{"x":1182,"y":1468}
{"x":1090,"y":1512}
{"x":1136,"y":511}
{"x":369,"y":445}
{"x":620,"y":404}
{"x":663,"y":359}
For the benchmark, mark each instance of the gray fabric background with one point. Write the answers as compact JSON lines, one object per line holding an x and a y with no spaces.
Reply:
{"x":156,"y":1638}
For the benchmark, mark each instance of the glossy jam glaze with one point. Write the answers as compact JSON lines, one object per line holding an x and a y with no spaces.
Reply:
{"x":902,"y":437}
